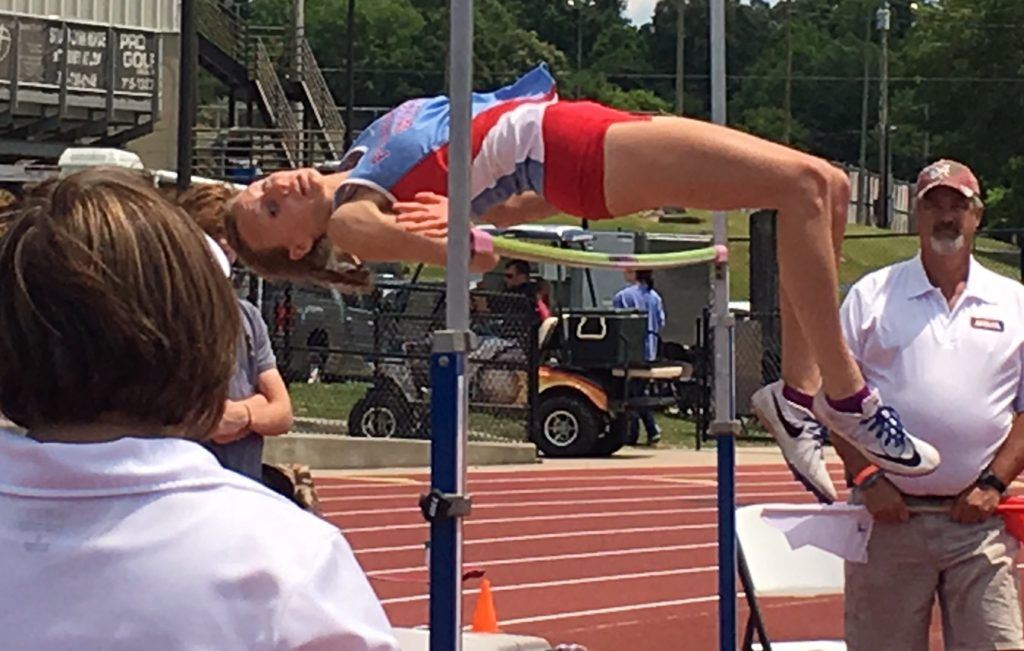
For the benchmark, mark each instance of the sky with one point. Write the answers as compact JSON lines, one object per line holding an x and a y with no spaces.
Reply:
{"x":639,"y":12}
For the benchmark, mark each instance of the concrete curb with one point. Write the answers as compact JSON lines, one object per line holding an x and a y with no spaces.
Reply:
{"x":335,"y":452}
{"x":418,"y":639}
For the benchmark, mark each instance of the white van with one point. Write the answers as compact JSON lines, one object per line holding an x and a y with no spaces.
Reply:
{"x":75,"y":159}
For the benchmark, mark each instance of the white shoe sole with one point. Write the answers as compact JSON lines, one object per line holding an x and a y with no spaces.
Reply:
{"x":823,"y":489}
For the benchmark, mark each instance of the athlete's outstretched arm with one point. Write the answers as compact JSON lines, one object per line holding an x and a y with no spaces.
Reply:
{"x":428,"y":214}
{"x":520,"y":209}
{"x":361,"y":228}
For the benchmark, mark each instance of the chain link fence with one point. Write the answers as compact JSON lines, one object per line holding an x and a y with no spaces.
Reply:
{"x":360,"y":365}
{"x":758,"y":332}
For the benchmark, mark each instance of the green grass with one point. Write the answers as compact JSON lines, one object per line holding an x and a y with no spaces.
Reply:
{"x":675,"y":432}
{"x":332,"y":401}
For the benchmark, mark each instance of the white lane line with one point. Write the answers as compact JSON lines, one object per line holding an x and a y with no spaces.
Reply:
{"x":678,"y":473}
{"x":620,"y":500}
{"x":548,"y":536}
{"x":789,"y":603}
{"x":683,"y":483}
{"x":566,"y":582}
{"x":355,"y":481}
{"x":561,"y":557}
{"x":535,"y":518}
{"x":610,"y":611}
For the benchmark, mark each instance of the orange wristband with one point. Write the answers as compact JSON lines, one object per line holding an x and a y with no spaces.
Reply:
{"x":866,"y":472}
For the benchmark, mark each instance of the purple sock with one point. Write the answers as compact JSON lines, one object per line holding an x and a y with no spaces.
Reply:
{"x":851,"y":404}
{"x":797,"y":397}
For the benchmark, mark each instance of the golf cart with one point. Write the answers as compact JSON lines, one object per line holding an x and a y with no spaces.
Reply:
{"x":588,"y":360}
{"x":592,"y":369}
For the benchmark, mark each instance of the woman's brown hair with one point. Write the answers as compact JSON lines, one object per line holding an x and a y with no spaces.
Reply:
{"x":210,"y":206}
{"x":113,"y":309}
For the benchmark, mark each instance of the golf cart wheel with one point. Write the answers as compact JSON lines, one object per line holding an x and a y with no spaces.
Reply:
{"x":569,"y":426}
{"x":381,"y":413}
{"x":614,"y":438}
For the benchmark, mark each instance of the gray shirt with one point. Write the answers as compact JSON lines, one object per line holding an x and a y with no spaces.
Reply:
{"x":255,"y":356}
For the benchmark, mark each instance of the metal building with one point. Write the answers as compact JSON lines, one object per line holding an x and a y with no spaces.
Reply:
{"x":85,"y":72}
{"x":150,"y":15}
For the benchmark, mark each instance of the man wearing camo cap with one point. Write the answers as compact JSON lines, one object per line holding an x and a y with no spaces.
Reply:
{"x":942,"y":337}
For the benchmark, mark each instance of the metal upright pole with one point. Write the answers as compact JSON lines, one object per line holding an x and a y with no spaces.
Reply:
{"x":725,"y":427}
{"x":186,"y":92}
{"x":448,"y":503}
{"x":459,"y":164}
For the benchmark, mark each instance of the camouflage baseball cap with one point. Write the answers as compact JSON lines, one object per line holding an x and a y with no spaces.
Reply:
{"x":951,"y":174}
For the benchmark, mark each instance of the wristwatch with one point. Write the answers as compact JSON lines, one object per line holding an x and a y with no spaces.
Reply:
{"x":988,"y":479}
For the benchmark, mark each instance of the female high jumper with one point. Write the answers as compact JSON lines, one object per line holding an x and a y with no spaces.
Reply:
{"x":534,"y":155}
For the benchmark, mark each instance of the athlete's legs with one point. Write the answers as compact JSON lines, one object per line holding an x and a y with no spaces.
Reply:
{"x":799,"y":368}
{"x":677,"y":161}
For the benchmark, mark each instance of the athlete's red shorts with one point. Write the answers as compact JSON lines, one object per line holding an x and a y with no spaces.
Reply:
{"x":574,"y":134}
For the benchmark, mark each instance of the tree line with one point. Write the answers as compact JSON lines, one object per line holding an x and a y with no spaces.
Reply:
{"x":798,"y":70}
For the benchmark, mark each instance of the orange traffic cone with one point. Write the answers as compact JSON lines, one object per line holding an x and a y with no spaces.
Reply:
{"x":485,"y":619}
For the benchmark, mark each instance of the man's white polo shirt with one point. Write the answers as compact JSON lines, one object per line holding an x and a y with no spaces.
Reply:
{"x":953,"y":375}
{"x":149,"y":545}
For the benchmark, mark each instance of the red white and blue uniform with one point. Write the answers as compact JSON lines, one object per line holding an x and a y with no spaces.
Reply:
{"x":524,"y":139}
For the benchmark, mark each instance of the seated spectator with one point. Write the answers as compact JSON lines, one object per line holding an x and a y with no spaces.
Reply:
{"x":119,"y":530}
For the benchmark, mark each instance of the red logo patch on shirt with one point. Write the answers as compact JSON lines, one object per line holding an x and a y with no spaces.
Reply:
{"x":987,"y":324}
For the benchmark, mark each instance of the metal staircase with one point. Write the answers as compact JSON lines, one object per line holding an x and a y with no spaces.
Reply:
{"x":320,"y":100}
{"x":271,"y":69}
{"x":275,"y":103}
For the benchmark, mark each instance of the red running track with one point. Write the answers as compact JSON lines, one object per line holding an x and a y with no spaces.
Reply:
{"x":610,"y":558}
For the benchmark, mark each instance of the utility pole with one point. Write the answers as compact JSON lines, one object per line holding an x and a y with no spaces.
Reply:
{"x":579,"y":5}
{"x":862,"y":176}
{"x":298,"y":33}
{"x":883,"y":119}
{"x":579,"y":44}
{"x":350,"y":76}
{"x":680,"y":50}
{"x":579,"y":38}
{"x":788,"y":101}
{"x":927,"y":134}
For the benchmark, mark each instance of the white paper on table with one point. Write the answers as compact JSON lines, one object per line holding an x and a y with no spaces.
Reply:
{"x":841,"y":529}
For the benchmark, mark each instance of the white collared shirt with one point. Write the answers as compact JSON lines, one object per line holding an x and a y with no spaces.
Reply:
{"x":149,"y":545}
{"x":953,"y":375}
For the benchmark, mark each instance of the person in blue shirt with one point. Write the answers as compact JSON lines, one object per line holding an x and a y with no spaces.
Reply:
{"x":641,"y":295}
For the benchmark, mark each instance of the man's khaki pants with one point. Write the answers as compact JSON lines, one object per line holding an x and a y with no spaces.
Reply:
{"x":970,"y":568}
